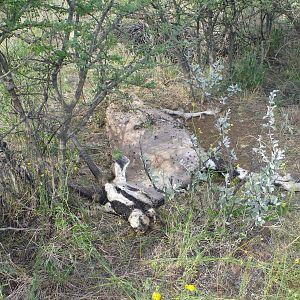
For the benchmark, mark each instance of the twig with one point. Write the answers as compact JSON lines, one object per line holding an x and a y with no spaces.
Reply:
{"x":19,"y":229}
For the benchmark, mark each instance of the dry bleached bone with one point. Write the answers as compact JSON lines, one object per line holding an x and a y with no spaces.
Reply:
{"x":187,"y":116}
{"x":286,"y":182}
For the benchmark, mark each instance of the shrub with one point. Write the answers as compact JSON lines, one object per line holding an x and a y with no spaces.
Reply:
{"x":248,"y":71}
{"x":257,"y":197}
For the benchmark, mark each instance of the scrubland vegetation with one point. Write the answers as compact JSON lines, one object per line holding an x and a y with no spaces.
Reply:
{"x":62,"y":62}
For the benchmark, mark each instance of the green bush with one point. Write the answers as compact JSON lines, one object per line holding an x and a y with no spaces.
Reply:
{"x":248,"y":71}
{"x":276,"y":40}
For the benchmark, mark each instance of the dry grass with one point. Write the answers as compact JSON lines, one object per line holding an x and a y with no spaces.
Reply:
{"x":92,"y":255}
{"x":76,"y":251}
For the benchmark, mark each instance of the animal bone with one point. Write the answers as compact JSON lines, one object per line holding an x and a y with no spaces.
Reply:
{"x":286,"y":182}
{"x":187,"y":116}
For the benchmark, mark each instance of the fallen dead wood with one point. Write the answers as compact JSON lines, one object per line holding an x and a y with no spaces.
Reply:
{"x":137,"y":203}
{"x":187,"y":116}
{"x":19,"y":229}
{"x":157,"y":155}
{"x":286,"y":182}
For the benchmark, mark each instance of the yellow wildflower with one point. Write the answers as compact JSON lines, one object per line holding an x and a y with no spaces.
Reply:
{"x":297,"y":261}
{"x":156,"y":296}
{"x":283,"y":166}
{"x":283,"y":204}
{"x":190,"y":287}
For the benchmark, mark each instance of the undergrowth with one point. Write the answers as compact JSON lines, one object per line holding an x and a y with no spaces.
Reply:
{"x":203,"y":247}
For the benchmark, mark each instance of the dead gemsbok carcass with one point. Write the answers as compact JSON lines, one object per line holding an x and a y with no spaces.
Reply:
{"x":160,"y":155}
{"x":134,"y":202}
{"x":137,"y":203}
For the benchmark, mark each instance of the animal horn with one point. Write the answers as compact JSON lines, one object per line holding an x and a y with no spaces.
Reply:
{"x":92,"y":166}
{"x":120,"y":168}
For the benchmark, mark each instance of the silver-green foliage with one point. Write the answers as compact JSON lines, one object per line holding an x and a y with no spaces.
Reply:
{"x":208,"y":81}
{"x":258,"y":195}
{"x":260,"y":190}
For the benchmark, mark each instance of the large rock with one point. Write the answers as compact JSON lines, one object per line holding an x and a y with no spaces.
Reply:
{"x":160,"y":149}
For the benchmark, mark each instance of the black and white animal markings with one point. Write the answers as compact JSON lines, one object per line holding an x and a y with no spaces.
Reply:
{"x":134,"y":202}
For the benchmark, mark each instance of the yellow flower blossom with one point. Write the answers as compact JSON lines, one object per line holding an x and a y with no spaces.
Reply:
{"x":297,"y":261}
{"x":156,"y":296}
{"x":190,"y":287}
{"x":283,"y":204}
